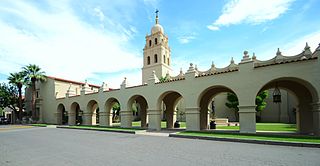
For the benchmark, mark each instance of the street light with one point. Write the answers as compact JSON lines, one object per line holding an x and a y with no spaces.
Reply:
{"x":276,"y":94}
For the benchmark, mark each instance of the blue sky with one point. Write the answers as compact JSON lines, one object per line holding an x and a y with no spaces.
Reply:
{"x":102,"y":40}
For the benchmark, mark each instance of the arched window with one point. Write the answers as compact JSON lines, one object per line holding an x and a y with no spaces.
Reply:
{"x":164,"y":58}
{"x":150,"y":43}
{"x":156,"y":41}
{"x":148,"y":60}
{"x":168,"y":61}
{"x":155,"y":58}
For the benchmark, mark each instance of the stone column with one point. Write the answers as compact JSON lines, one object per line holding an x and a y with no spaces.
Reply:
{"x":103,"y":118}
{"x":193,"y":119}
{"x":316,"y":118}
{"x":71,"y":118}
{"x":94,"y":118}
{"x":87,"y":118}
{"x":247,"y":119}
{"x":58,"y":116}
{"x":144,"y":118}
{"x":126,"y":118}
{"x":154,"y":119}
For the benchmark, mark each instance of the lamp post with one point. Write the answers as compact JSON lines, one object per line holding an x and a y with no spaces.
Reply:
{"x":277,"y":99}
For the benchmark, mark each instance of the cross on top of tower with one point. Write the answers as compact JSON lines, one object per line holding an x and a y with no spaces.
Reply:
{"x":157,"y":11}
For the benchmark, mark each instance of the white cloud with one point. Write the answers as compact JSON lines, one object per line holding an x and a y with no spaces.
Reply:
{"x":61,"y":43}
{"x":213,"y":28}
{"x":186,"y":39}
{"x":292,"y":48}
{"x":250,"y":11}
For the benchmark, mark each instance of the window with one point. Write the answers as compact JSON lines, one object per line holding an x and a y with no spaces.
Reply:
{"x":156,"y":41}
{"x":164,"y":58}
{"x":37,"y":94}
{"x":148,"y":60}
{"x":168,"y":61}
{"x":155,"y":58}
{"x":150,"y":42}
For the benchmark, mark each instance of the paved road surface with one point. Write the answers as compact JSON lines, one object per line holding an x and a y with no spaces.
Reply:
{"x":57,"y":147}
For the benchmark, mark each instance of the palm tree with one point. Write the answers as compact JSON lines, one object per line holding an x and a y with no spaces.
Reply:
{"x":33,"y":74}
{"x":17,"y":79}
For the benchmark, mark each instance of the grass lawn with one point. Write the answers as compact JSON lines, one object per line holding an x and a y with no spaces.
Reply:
{"x":266,"y":127}
{"x":39,"y":125}
{"x":283,"y":138}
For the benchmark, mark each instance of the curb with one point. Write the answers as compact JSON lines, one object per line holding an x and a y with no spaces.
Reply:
{"x":117,"y":131}
{"x":295,"y":144}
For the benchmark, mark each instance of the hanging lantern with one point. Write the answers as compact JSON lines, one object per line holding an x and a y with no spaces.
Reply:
{"x":276,"y":95}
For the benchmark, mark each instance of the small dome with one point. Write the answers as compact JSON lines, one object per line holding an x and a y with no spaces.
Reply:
{"x":156,"y":28}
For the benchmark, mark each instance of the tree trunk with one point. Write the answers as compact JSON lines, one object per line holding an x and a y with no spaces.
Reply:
{"x":33,"y":100}
{"x":20,"y":103}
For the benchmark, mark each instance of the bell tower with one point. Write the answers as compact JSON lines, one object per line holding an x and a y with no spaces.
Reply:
{"x":156,"y":53}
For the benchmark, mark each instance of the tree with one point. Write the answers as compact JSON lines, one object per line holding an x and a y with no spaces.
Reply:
{"x":17,"y":79}
{"x":233,"y":102}
{"x":116,"y":111}
{"x":33,"y":74}
{"x":9,"y":97}
{"x":164,"y":79}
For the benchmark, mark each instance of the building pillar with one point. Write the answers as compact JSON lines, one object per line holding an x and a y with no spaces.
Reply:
{"x":94,"y":118}
{"x":126,"y":118}
{"x":154,"y":119}
{"x":58,"y":116}
{"x":144,"y":118}
{"x":316,"y":118}
{"x":192,"y":119}
{"x":247,"y":119}
{"x":71,"y":119}
{"x":87,"y":118}
{"x":105,"y":119}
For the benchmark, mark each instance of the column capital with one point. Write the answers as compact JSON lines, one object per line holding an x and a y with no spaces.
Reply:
{"x":247,"y":108}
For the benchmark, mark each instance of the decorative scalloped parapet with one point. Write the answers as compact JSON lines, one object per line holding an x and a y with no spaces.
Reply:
{"x":70,"y":92}
{"x":153,"y":78}
{"x":86,"y":89}
{"x":306,"y":54}
{"x":124,"y":83}
{"x":213,"y":70}
{"x":104,"y":87}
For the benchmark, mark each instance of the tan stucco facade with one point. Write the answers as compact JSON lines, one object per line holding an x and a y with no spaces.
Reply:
{"x":298,"y":74}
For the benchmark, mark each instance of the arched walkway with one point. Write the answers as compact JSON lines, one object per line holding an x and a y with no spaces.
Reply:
{"x":112,"y":107}
{"x":92,"y":115}
{"x":205,"y":101}
{"x":75,"y":114}
{"x":167,"y":102}
{"x":307,"y":123}
{"x":62,"y":115}
{"x":139,"y":106}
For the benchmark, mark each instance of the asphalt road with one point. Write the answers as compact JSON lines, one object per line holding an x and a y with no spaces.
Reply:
{"x":51,"y":146}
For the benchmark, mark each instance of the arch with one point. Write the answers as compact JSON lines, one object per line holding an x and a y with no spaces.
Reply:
{"x":204,"y":102}
{"x":305,"y":93}
{"x":167,"y":102}
{"x":92,"y":108}
{"x":75,"y":115}
{"x":62,"y":115}
{"x":164,"y":59}
{"x":148,"y":60}
{"x":155,"y":58}
{"x":114,"y":114}
{"x":142,"y":106}
{"x":155,"y":41}
{"x":150,"y":42}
